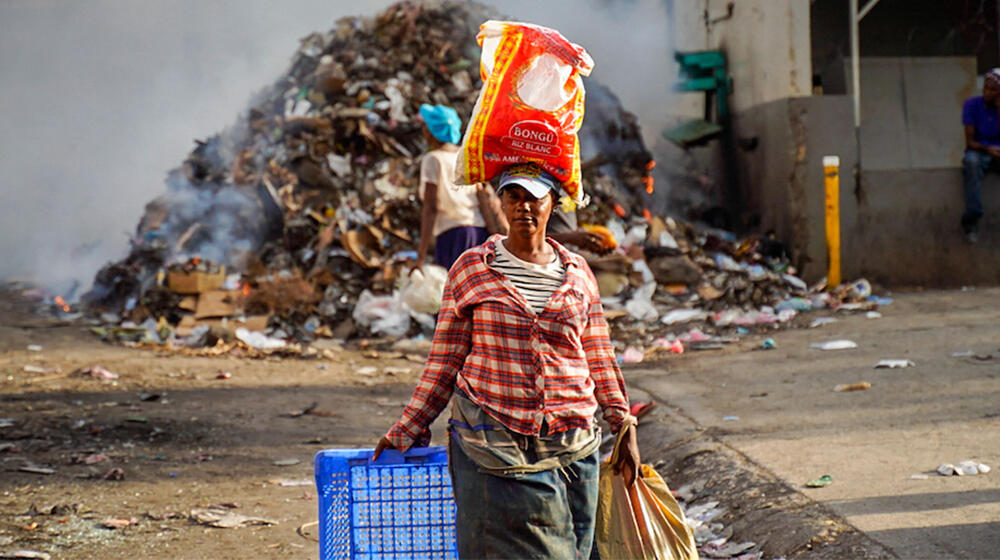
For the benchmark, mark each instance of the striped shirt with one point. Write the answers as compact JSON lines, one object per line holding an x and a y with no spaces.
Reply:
{"x":535,"y":282}
{"x":524,"y":369}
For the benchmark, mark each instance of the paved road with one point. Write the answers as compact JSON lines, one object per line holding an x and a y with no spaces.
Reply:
{"x":943,"y":410}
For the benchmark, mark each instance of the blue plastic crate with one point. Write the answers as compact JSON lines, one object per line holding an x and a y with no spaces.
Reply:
{"x":400,"y":506}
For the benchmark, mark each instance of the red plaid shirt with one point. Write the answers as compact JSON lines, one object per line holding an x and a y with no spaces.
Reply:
{"x":520,"y":367}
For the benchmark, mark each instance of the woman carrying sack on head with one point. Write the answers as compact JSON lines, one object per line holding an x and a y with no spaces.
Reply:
{"x":452,"y":214}
{"x":522,"y":351}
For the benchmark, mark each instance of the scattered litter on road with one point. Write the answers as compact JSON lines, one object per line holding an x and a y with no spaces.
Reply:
{"x":89,"y":459}
{"x":25,"y":555}
{"x":164,"y":516}
{"x":302,"y":531}
{"x":30,"y":368}
{"x":97,"y":372}
{"x":7,"y":422}
{"x":114,"y":474}
{"x":963,"y":468}
{"x":117,"y":523}
{"x":226,"y":518}
{"x":730,"y":418}
{"x":36,"y":470}
{"x":768,"y":344}
{"x":728,"y":549}
{"x":821,"y":321}
{"x":963,"y":354}
{"x":873,"y":315}
{"x":677,"y":316}
{"x":34,"y":348}
{"x":860,"y":386}
{"x":642,"y":409}
{"x":894,"y":364}
{"x":286,"y":462}
{"x":223,"y":375}
{"x":631,"y":355}
{"x":259,"y":340}
{"x":834,"y":345}
{"x":301,"y":412}
{"x":919,"y":476}
{"x":820,"y":482}
{"x":291,"y":482}
{"x":665,"y":345}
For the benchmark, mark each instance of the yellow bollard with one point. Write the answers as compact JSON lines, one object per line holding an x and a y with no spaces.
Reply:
{"x":831,"y":181}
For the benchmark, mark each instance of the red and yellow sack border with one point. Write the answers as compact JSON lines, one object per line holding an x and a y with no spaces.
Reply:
{"x":504,"y":130}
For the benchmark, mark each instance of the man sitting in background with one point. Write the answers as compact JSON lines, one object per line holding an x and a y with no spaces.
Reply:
{"x":981,"y":119}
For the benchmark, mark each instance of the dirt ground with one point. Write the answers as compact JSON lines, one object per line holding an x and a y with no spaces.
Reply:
{"x":170,"y":435}
{"x":181,"y":437}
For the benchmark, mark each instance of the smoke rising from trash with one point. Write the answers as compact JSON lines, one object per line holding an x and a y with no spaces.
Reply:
{"x":102,"y":99}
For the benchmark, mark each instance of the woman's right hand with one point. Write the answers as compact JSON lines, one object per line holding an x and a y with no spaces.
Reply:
{"x":383,"y":444}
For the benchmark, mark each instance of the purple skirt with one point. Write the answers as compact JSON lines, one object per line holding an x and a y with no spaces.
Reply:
{"x":455,"y":241}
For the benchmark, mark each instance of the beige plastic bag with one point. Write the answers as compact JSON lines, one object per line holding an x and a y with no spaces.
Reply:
{"x":641,"y":522}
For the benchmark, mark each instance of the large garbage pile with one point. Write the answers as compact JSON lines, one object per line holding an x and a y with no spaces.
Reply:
{"x":282,"y":226}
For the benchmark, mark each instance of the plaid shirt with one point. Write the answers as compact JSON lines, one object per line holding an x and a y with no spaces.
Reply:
{"x":520,"y":367}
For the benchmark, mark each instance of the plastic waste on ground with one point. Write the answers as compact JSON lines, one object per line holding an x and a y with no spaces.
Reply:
{"x":841,"y":344}
{"x":894,"y":364}
{"x":859,"y":289}
{"x":820,"y":482}
{"x":675,"y":316}
{"x":821,"y":321}
{"x":423,"y":288}
{"x":796,"y":303}
{"x":259,"y":340}
{"x":640,"y":306}
{"x":631,"y":355}
{"x":674,"y":346}
{"x":859,"y":386}
{"x":963,"y":468}
{"x":764,"y":316}
{"x":694,"y":335}
{"x":386,"y":315}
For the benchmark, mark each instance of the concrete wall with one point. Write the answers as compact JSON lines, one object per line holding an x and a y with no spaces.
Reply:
{"x":911,"y":111}
{"x":766,"y":44}
{"x":907,"y":230}
{"x":782,"y":177}
{"x":899,"y":228}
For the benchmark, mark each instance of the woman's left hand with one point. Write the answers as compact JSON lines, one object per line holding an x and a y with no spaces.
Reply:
{"x":628,"y":459}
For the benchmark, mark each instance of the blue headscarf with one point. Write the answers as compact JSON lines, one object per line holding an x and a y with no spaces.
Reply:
{"x":443,"y":122}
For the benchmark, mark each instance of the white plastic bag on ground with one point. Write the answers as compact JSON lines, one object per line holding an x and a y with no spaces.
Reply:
{"x":641,"y":305}
{"x":423,"y":288}
{"x":259,"y":340}
{"x":386,"y":315}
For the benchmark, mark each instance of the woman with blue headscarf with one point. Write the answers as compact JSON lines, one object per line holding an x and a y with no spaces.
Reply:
{"x":451,"y":213}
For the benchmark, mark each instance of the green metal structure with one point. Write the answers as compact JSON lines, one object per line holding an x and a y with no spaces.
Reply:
{"x":703,"y":71}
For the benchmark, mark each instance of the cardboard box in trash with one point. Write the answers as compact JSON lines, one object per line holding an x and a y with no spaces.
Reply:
{"x":183,"y":282}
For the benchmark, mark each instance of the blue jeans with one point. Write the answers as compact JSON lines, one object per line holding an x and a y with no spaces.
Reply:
{"x":975,"y":164}
{"x":539,"y":515}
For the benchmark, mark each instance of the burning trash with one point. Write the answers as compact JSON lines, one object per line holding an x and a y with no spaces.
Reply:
{"x":307,"y":205}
